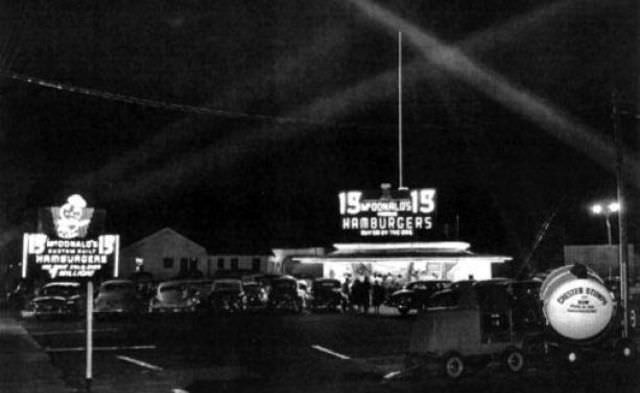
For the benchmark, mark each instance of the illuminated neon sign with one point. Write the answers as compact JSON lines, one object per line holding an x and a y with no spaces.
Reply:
{"x":387,"y":213}
{"x":64,"y":249}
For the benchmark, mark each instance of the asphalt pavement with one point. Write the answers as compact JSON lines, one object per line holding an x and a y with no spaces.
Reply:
{"x":324,"y":352}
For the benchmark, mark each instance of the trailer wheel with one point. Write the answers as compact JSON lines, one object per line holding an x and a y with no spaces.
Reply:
{"x":514,"y":360}
{"x":453,"y":365}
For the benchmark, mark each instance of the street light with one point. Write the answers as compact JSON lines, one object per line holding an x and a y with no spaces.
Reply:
{"x":606,"y":210}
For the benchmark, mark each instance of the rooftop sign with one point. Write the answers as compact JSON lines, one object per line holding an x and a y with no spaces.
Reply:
{"x":404,"y":213}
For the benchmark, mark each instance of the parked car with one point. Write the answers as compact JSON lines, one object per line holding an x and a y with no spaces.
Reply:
{"x":256,"y":294}
{"x":287,"y":294}
{"x":117,"y":297}
{"x":227,"y":295}
{"x":175,"y":296}
{"x":326,"y":293}
{"x":415,"y":295}
{"x":57,"y":299}
{"x":201,"y":288}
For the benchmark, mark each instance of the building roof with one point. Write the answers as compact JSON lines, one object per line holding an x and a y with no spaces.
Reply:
{"x":353,"y":251}
{"x":161,"y":232}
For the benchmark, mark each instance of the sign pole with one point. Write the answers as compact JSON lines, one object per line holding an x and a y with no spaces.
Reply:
{"x":623,"y":253}
{"x":89,"y":346}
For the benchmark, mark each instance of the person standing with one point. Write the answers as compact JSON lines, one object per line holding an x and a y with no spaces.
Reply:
{"x":346,"y":291}
{"x":366,"y":294}
{"x":377,"y":296}
{"x":356,"y":294}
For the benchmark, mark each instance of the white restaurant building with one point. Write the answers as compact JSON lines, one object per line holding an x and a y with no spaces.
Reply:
{"x":452,"y":261}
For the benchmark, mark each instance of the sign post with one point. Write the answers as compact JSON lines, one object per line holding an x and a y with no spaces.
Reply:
{"x":89,"y":345}
{"x":71,"y":244}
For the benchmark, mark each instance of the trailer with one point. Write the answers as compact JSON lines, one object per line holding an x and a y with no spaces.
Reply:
{"x":474,"y":323}
{"x":569,"y":317}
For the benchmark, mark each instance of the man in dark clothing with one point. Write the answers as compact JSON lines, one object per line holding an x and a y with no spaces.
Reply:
{"x":377,"y":296}
{"x":366,"y":293}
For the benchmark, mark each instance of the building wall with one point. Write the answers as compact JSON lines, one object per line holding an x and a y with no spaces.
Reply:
{"x":258,"y":263}
{"x":603,"y":259}
{"x":162,"y":254}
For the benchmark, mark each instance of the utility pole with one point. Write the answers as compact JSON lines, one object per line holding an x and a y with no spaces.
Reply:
{"x":623,"y":254}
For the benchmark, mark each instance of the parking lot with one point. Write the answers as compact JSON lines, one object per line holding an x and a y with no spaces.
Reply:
{"x":279,"y":353}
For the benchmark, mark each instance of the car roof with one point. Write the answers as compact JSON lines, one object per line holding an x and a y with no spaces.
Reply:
{"x":117,"y":281}
{"x":285,"y":278}
{"x":173,"y":282}
{"x":233,"y":280}
{"x":62,"y":284}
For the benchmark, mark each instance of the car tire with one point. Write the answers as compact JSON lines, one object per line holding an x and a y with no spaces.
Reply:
{"x":514,"y":359}
{"x":453,"y":365}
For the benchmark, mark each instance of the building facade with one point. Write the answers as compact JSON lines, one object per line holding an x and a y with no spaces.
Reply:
{"x":452,"y":261}
{"x":602,"y":258}
{"x":225,"y":263}
{"x":165,"y":254}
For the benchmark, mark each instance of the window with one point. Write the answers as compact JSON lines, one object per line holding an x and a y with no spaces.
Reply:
{"x":234,"y":263}
{"x":255,"y":264}
{"x":184,"y":264}
{"x":193,"y":264}
{"x":220,"y":263}
{"x":167,"y":263}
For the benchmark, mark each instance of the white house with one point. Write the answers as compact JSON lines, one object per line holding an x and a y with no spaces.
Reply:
{"x":165,"y":254}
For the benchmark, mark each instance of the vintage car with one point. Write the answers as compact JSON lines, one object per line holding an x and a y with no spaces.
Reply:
{"x":256,"y":294}
{"x":117,"y":297}
{"x":175,"y":296}
{"x":326,"y":293}
{"x":57,"y":299}
{"x":201,"y":288}
{"x":415,"y":295}
{"x":287,"y":293}
{"x":227,"y":295}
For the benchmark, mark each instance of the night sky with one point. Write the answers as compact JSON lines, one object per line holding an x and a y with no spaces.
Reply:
{"x":238,"y":122}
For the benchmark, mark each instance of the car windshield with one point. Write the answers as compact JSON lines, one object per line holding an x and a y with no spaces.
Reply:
{"x":284,"y":284}
{"x":172,"y":288}
{"x":327,"y":284}
{"x":117,"y":286}
{"x":60,"y":290}
{"x":226,"y":286}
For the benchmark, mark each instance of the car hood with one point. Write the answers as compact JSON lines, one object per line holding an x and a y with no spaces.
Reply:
{"x":172,"y":297}
{"x":42,"y":299}
{"x":114,"y":297}
{"x":403,"y":292}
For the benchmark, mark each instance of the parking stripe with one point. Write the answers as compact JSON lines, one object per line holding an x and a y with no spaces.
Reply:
{"x":80,"y":349}
{"x":330,"y":352}
{"x":140,"y":363}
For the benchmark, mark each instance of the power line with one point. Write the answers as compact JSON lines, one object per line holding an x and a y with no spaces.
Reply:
{"x":145,"y":102}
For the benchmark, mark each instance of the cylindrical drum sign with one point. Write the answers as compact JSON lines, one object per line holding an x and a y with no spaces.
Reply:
{"x":579,"y":309}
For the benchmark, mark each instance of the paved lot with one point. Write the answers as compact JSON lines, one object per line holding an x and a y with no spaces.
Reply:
{"x":280,"y":353}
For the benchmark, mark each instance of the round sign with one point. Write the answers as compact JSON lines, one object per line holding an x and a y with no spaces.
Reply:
{"x":579,"y":309}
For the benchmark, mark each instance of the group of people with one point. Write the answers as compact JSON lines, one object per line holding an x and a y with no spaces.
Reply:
{"x":364,"y":293}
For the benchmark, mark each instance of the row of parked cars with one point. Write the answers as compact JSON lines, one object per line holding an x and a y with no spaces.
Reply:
{"x":124,"y":297}
{"x":269,"y":292}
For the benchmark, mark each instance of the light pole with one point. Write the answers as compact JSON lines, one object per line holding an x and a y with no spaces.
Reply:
{"x":606,"y":210}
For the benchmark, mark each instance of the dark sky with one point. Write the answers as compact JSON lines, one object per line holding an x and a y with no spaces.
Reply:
{"x":297,"y":102}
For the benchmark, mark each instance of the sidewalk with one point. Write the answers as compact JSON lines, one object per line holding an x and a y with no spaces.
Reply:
{"x":24,"y":366}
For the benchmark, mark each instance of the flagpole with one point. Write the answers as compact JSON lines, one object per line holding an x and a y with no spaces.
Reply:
{"x":400,"y":179}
